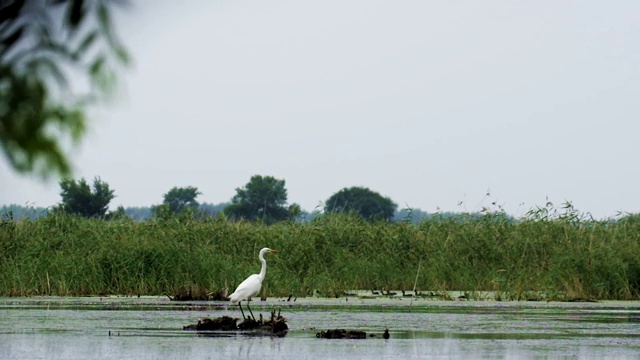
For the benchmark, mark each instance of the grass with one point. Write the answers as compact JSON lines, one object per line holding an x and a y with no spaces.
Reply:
{"x":540,"y":256}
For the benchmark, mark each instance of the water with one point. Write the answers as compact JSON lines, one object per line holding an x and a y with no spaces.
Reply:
{"x":151,"y":328}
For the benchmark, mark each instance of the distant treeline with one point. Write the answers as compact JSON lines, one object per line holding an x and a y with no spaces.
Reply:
{"x":144,"y":213}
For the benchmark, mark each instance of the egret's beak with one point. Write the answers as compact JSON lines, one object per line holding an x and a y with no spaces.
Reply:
{"x":274,"y":250}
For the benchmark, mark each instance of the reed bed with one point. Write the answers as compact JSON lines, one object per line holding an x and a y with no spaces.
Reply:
{"x":536,"y":257}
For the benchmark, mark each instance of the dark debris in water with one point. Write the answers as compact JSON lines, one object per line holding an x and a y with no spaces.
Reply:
{"x":224,"y":323}
{"x":341,"y":334}
{"x":349,"y":334}
{"x":275,"y":326}
{"x":194,"y":293}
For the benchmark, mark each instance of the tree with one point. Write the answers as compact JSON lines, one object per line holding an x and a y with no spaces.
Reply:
{"x":42,"y":42}
{"x":210,"y":210}
{"x":78,"y":198}
{"x":181,"y":198}
{"x":369,"y":204}
{"x":262,"y":198}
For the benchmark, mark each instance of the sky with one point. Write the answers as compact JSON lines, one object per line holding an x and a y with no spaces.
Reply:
{"x":438,"y":105}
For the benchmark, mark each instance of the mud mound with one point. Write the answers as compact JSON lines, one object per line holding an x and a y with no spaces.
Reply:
{"x":275,"y":326}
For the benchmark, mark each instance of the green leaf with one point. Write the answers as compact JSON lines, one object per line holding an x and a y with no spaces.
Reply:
{"x":75,"y":13}
{"x":122,"y":54}
{"x":58,"y":48}
{"x":10,"y":40}
{"x":41,"y":42}
{"x":104,"y":19}
{"x":11,"y":12}
{"x":86,"y":43}
{"x":97,"y":66}
{"x":48,"y":67}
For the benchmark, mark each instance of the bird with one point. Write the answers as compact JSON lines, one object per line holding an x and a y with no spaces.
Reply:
{"x":251,"y":285}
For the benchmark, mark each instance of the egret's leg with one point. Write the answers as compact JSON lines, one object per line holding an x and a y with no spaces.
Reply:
{"x":251,"y":312}
{"x":240,"y":304}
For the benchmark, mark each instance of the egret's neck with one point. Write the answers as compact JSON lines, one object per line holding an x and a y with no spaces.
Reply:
{"x":263,"y":270}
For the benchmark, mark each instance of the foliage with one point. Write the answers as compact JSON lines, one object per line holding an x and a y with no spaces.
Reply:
{"x":119,"y":214}
{"x":210,"y":210}
{"x":546,"y":259}
{"x":181,"y":198}
{"x":41,"y":43}
{"x":78,"y":198}
{"x":262,"y":198}
{"x":306,"y":216}
{"x":204,"y":210}
{"x":136,"y":213}
{"x":143,"y":213}
{"x":369,"y":204}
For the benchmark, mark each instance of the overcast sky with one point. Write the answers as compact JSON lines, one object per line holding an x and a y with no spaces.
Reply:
{"x":431,"y":103}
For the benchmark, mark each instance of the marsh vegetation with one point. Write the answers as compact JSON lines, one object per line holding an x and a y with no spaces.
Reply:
{"x":541,"y":257}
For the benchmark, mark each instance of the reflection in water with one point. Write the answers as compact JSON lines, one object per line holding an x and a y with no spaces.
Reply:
{"x":244,"y":350}
{"x":153,"y":330}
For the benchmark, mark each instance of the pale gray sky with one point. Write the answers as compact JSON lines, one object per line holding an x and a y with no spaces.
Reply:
{"x":428,"y":102}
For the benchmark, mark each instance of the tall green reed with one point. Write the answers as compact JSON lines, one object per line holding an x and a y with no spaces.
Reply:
{"x":539,"y":256}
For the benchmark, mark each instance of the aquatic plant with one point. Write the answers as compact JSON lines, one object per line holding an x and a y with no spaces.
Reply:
{"x":545,"y":255}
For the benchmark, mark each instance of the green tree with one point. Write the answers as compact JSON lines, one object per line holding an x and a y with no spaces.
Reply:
{"x":119,"y":214}
{"x":262,"y":198}
{"x":43,"y":42}
{"x":211,"y":210}
{"x":369,"y":204}
{"x":78,"y":197}
{"x":181,"y":198}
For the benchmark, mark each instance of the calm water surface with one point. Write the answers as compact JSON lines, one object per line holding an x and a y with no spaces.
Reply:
{"x":151,"y":328}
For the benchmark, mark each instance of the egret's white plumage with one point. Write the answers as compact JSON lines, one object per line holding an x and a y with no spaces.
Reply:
{"x":251,"y":285}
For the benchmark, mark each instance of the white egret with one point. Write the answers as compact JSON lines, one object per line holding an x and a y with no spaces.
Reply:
{"x":251,"y":285}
